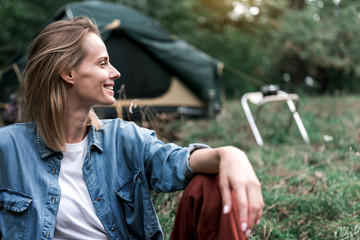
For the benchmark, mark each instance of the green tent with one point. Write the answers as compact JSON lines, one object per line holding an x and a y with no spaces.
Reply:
{"x":157,"y":69}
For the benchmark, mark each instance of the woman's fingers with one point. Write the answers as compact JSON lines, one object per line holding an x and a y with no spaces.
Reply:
{"x":242,"y":202}
{"x":250,"y":204}
{"x":256,"y":203}
{"x":225,"y":192}
{"x":258,"y":218}
{"x":237,"y":175}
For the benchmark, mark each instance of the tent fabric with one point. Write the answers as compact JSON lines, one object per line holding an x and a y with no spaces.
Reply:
{"x":141,"y":74}
{"x":171,"y":55}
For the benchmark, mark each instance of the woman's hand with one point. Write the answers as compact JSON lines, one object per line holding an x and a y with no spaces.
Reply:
{"x":237,"y":174}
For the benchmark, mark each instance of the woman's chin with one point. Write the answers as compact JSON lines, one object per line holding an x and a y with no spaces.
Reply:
{"x":108,"y":102}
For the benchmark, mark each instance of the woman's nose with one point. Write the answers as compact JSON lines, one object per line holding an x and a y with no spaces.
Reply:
{"x":114,"y":74}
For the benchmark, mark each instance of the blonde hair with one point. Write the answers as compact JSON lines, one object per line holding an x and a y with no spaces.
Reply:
{"x":59,"y":46}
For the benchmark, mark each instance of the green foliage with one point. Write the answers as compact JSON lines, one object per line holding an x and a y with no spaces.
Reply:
{"x":20,"y":20}
{"x":270,"y":41}
{"x":302,"y":39}
{"x":318,"y":40}
{"x":310,"y":191}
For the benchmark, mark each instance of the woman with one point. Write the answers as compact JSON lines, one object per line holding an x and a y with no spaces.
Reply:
{"x":67,"y":175}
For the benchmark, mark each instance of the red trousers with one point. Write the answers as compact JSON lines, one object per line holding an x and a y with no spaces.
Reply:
{"x":199,"y":215}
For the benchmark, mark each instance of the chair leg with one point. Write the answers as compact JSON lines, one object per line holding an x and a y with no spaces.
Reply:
{"x":298,"y":121}
{"x":251,"y":121}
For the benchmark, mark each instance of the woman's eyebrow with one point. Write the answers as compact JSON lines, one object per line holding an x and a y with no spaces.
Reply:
{"x":103,"y":58}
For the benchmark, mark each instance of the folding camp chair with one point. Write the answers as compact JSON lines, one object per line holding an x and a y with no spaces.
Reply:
{"x":259,"y":99}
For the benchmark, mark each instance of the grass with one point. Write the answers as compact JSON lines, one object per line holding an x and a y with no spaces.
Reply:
{"x":311,"y":191}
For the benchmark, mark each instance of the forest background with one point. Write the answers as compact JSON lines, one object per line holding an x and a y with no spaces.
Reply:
{"x":307,"y":46}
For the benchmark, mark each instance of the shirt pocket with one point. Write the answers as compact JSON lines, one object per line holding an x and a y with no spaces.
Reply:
{"x":14,"y":214}
{"x":138,"y":210}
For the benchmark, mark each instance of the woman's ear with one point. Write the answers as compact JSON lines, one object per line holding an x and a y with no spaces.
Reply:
{"x":66,"y":74}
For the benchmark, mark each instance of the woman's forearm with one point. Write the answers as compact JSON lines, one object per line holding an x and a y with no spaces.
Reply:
{"x":207,"y":160}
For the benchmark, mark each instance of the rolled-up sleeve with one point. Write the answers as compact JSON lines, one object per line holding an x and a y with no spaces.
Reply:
{"x":192,"y":147}
{"x":167,"y":166}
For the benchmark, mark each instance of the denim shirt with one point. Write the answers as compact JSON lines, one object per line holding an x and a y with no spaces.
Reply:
{"x":123,"y":164}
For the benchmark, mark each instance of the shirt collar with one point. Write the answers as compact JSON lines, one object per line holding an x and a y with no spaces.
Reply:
{"x":94,"y":141}
{"x":44,"y":150}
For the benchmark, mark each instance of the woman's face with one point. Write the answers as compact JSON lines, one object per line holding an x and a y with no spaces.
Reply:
{"x":93,"y":78}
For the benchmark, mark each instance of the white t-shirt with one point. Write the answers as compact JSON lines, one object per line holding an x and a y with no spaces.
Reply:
{"x":76,"y":217}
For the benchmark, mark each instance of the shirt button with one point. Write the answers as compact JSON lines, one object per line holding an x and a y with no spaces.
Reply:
{"x":53,"y":199}
{"x":53,"y":171}
{"x":112,"y":229}
{"x":87,"y":167}
{"x":98,"y":199}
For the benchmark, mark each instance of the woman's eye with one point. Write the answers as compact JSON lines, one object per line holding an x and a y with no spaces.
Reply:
{"x":102,"y":63}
